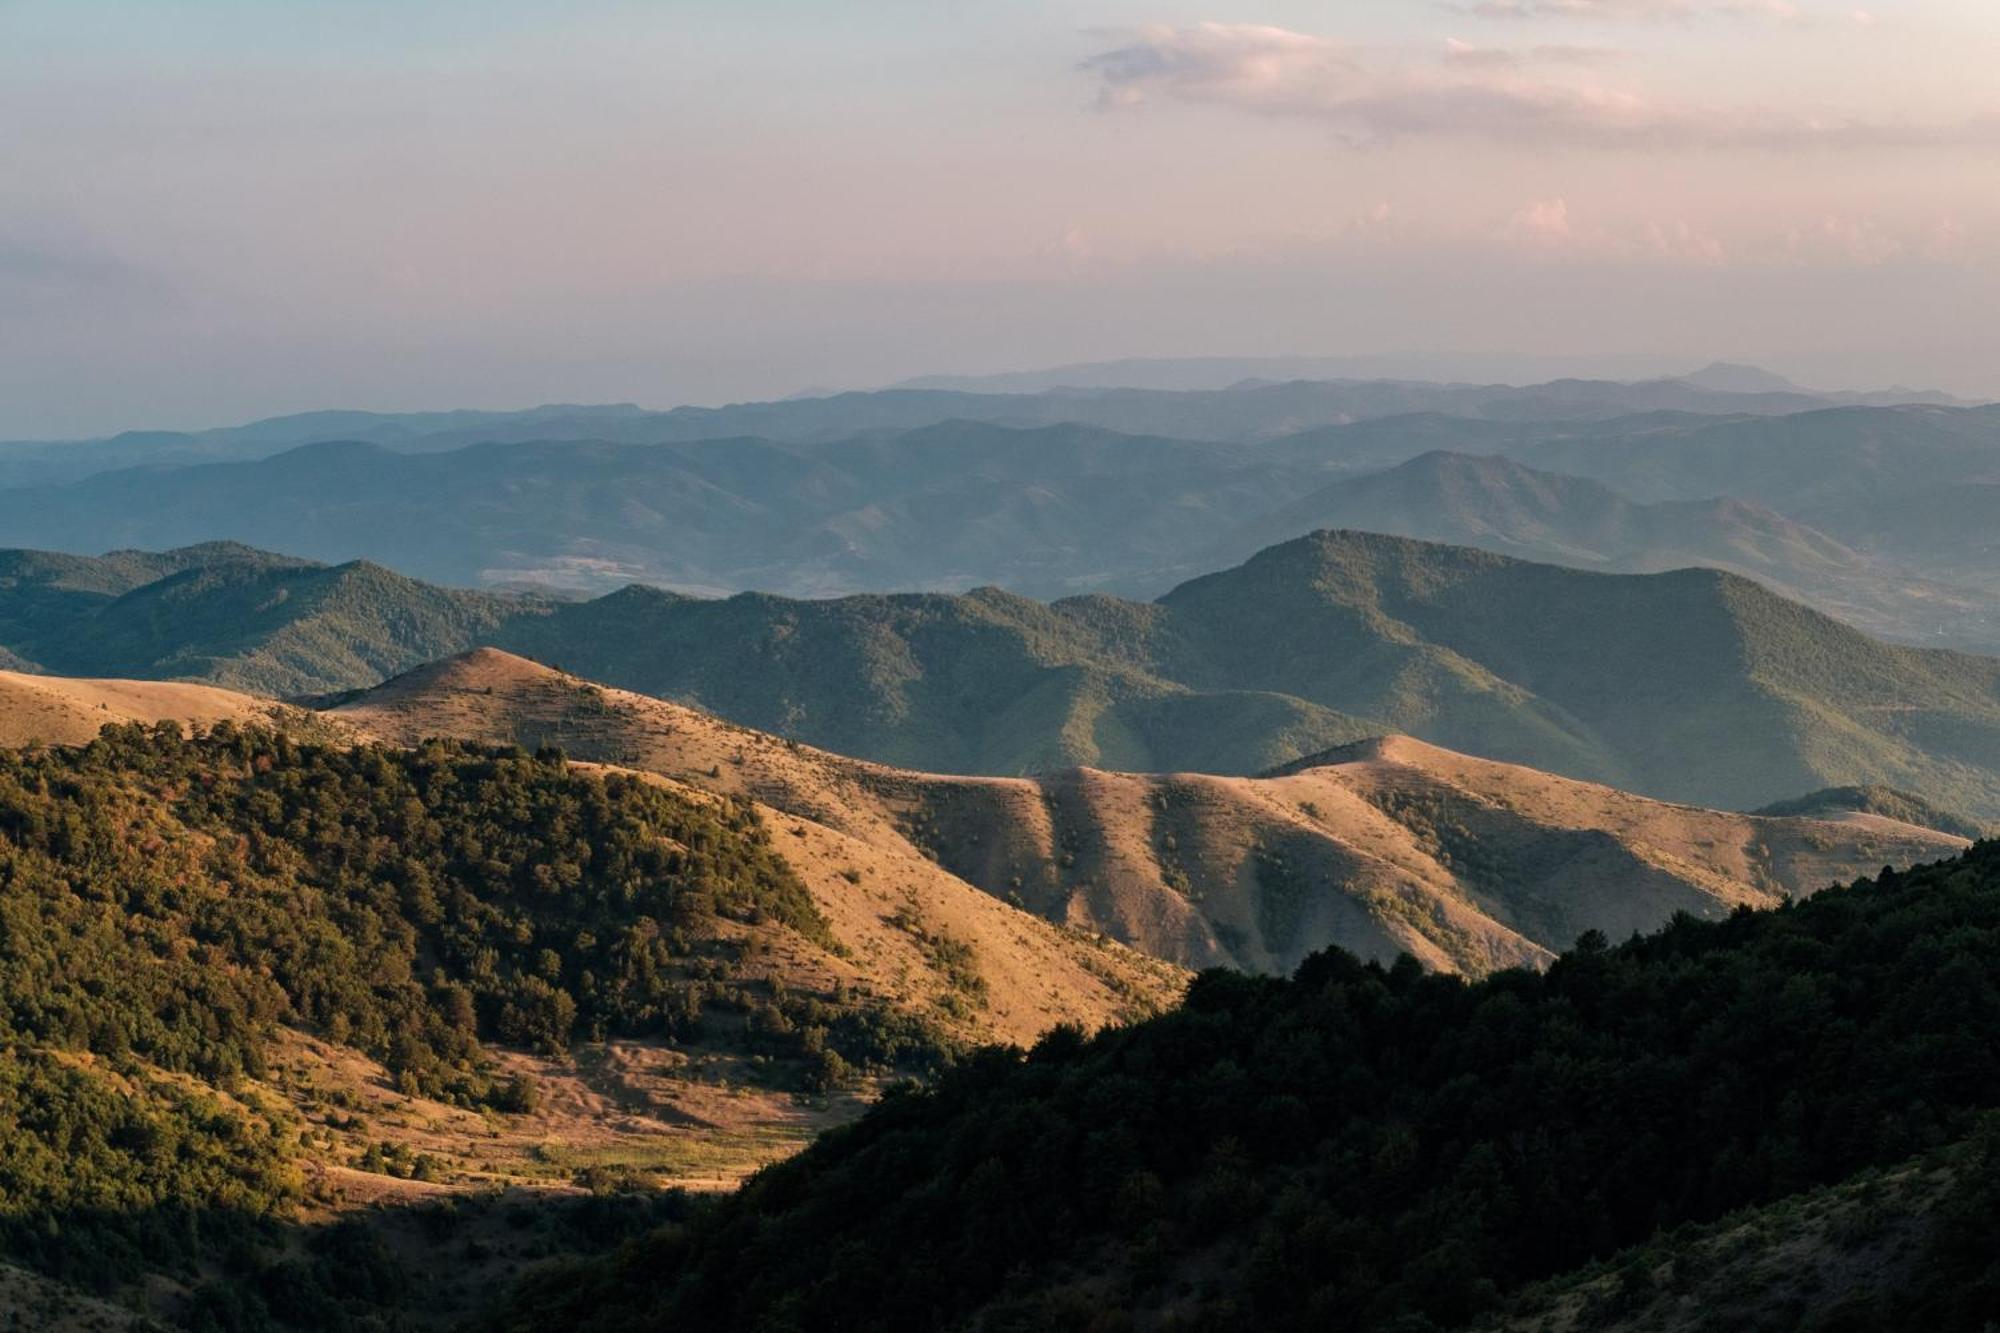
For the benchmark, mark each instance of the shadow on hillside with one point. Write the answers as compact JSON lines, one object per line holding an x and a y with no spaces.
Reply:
{"x":434,"y":1264}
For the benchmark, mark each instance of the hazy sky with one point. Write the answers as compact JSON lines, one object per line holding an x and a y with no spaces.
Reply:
{"x":217,"y":209}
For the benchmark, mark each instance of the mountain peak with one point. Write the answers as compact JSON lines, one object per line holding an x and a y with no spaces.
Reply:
{"x":475,"y":670}
{"x":1736,"y":377}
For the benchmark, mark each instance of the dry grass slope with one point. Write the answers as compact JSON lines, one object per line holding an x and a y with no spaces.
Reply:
{"x":1387,"y":846}
{"x":57,"y":710}
{"x":928,"y":937}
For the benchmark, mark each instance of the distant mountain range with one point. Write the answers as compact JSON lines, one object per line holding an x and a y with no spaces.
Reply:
{"x":951,"y":506}
{"x":1501,"y":505}
{"x":1879,"y":516}
{"x":1222,"y":372}
{"x":1273,"y":399}
{"x":1695,"y":685}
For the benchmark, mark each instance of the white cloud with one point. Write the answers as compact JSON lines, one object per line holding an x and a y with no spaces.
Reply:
{"x":1368,"y":97}
{"x":1240,"y":62}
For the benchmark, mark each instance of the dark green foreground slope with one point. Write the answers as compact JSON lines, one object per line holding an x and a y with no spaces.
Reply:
{"x":1375,"y":1149}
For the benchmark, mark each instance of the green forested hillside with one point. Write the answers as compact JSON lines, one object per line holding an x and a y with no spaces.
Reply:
{"x":169,"y":905}
{"x":234,"y":616}
{"x":1365,"y":1147}
{"x":986,"y":682}
{"x":1497,"y":504}
{"x":284,"y":631}
{"x":46,"y":595}
{"x":1694,"y":685}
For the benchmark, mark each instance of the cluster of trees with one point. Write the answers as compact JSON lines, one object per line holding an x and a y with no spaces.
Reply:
{"x":1367,"y":1147}
{"x":171,"y":897}
{"x":166,"y":900}
{"x":104,"y":1174}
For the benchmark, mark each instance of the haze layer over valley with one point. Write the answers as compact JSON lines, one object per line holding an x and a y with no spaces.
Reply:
{"x":1127,"y":492}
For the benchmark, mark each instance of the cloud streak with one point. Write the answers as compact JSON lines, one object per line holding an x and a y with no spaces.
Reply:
{"x":1634,"y":11}
{"x":1470,"y":55}
{"x":1369,"y":98}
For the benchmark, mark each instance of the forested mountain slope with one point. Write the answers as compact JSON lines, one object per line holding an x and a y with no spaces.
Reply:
{"x":234,"y":616}
{"x":254,"y":983}
{"x":1373,"y":1146}
{"x":1693,"y":685}
{"x":1497,"y":504}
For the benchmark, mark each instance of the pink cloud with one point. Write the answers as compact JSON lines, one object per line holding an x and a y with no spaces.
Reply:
{"x":1642,"y":11}
{"x":1372,"y":98}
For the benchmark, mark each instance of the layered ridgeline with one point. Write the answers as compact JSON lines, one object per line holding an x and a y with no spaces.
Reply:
{"x":1839,"y":802}
{"x":948,"y":506}
{"x":1385,"y":847}
{"x":1693,"y":686}
{"x":1380,"y":1149}
{"x":1278,"y":399}
{"x":1500,"y":505}
{"x":1916,"y":485}
{"x":253,"y":983}
{"x":1883,"y":511}
{"x":256,"y":981}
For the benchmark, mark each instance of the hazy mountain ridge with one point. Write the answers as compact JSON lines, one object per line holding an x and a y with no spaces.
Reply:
{"x":1266,"y":397}
{"x":1217,"y":372}
{"x":1819,"y":467}
{"x":941,"y":506}
{"x":1498,"y":504}
{"x":1495,"y":502}
{"x":1877,"y":516}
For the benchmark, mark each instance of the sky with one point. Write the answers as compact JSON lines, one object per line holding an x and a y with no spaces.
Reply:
{"x":215,"y":210}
